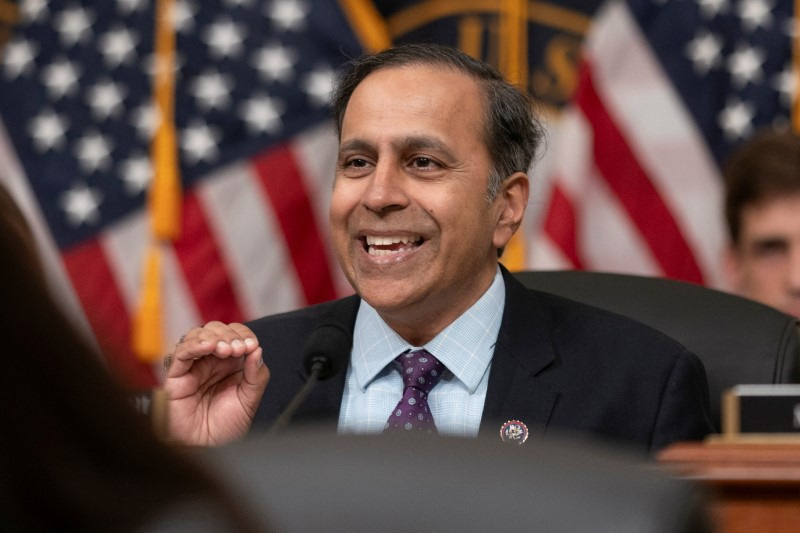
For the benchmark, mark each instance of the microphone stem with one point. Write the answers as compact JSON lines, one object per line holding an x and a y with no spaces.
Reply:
{"x":283,"y":420}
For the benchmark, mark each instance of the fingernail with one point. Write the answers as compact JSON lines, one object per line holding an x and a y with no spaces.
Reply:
{"x":250,"y":342}
{"x":260,"y":362}
{"x":236,"y":344}
{"x":221,"y":345}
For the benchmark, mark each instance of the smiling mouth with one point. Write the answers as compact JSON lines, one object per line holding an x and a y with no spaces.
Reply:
{"x":387,"y":246}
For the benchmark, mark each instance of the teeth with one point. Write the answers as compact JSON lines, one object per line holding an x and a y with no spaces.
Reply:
{"x":385,"y":241}
{"x":373,"y":241}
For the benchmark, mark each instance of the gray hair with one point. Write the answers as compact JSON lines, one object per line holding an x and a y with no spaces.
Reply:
{"x":512,"y":133}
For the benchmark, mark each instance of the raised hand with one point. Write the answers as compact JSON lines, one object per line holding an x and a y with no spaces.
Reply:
{"x":215,"y":378}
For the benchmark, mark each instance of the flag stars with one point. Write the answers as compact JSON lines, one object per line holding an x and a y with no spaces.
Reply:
{"x":152,"y":63}
{"x":19,"y":58}
{"x":81,"y":205}
{"x":118,"y":46}
{"x":704,"y":51}
{"x":183,"y":13}
{"x":736,"y":119}
{"x":47,"y":130}
{"x":288,"y":15}
{"x":130,"y":6}
{"x":225,"y":38}
{"x":318,"y":85}
{"x":262,"y":114}
{"x":199,"y":143}
{"x":33,"y":10}
{"x":105,"y":99}
{"x":791,"y":27}
{"x":145,"y":119}
{"x":745,"y":65}
{"x":755,"y":14}
{"x":786,"y":83}
{"x":74,"y":25}
{"x":137,"y":173}
{"x":275,"y":62}
{"x":93,"y":152}
{"x":212,"y":90}
{"x":60,"y":77}
{"x":712,"y":8}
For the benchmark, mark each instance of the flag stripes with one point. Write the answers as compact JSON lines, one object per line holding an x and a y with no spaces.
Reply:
{"x":634,"y":187}
{"x":203,"y":267}
{"x":294,"y":212}
{"x":631,"y":185}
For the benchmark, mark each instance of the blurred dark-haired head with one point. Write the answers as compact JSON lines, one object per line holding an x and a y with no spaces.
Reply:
{"x":74,"y":454}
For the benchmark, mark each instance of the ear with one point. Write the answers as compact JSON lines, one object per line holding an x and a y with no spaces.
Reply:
{"x":511,"y":203}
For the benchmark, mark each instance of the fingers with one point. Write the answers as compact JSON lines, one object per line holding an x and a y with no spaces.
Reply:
{"x":214,"y":339}
{"x":222,"y":339}
{"x":256,"y":377}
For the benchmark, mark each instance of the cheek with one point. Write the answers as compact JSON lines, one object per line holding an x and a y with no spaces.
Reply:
{"x":343,"y":199}
{"x":763,"y":273}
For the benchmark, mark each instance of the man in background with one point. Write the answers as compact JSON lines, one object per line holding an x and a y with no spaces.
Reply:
{"x":762,"y":210}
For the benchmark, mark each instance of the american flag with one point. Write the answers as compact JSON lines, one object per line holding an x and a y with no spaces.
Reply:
{"x":668,"y":88}
{"x":660,"y":78}
{"x":255,"y":144}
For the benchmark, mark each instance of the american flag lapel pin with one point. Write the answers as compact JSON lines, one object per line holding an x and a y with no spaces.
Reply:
{"x":514,"y":432}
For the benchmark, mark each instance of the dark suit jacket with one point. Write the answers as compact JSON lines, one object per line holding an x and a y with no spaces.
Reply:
{"x":558,"y":366}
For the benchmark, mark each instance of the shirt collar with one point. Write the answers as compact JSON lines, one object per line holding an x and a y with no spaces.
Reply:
{"x":465,"y":347}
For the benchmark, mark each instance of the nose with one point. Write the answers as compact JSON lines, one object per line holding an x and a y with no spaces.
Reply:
{"x":386,"y":189}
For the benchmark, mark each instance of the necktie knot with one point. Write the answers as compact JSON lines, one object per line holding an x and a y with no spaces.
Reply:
{"x":421,"y":371}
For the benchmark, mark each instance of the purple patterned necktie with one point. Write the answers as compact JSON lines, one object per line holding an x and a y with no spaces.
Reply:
{"x":421,"y":371}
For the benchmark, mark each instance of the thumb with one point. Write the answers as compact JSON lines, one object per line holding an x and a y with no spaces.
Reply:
{"x":256,"y":377}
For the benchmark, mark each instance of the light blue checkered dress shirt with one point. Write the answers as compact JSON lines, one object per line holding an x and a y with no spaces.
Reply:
{"x":374,"y":383}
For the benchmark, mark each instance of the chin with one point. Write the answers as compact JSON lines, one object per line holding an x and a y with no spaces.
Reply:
{"x":792,"y":311}
{"x":386,"y":298}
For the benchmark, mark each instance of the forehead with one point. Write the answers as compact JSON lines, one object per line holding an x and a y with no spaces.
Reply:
{"x":416,"y":95}
{"x":773,"y":216}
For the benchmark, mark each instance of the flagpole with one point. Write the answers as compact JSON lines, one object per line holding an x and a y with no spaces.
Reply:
{"x":164,"y":199}
{"x":513,"y":62}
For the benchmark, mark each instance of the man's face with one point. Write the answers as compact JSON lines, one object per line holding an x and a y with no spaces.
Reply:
{"x":765,"y":265}
{"x":413,"y":230}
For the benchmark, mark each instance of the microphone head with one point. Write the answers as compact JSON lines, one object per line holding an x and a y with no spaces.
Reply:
{"x":327,"y":348}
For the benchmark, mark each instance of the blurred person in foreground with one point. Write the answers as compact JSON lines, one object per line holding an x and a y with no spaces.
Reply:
{"x":74,"y":454}
{"x":762,"y":211}
{"x":430,"y":185}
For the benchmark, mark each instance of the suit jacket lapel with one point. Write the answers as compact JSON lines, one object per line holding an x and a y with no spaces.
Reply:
{"x":524,"y":349}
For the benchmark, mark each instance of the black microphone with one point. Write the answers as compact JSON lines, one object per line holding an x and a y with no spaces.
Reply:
{"x":324,"y":356}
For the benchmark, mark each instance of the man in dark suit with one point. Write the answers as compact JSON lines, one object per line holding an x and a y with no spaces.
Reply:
{"x":430,"y":186}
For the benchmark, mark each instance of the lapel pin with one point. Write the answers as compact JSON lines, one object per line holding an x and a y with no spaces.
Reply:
{"x":514,"y":432}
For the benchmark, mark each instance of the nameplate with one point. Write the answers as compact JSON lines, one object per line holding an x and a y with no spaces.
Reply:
{"x":763,"y":409}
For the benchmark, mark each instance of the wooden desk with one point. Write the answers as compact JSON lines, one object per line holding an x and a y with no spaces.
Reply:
{"x":754,"y":484}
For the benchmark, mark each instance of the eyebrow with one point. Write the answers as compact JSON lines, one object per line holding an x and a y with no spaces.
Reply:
{"x":409,"y":143}
{"x":355,"y":145}
{"x":769,"y":241}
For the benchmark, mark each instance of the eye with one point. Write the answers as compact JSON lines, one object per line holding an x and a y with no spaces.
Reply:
{"x":357,"y":163}
{"x":770,"y":248}
{"x":423,"y":162}
{"x":354,"y":166}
